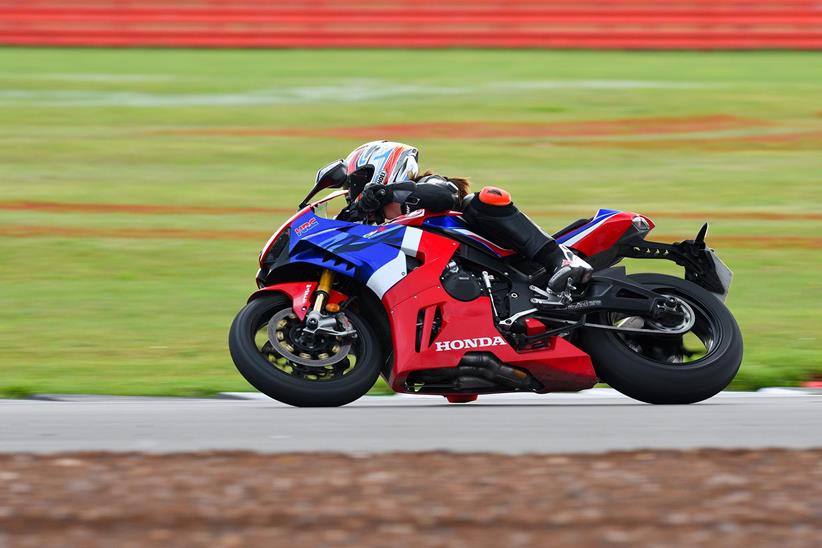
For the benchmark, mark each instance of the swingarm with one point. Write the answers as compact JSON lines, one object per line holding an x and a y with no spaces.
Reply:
{"x":636,"y":309}
{"x":612,"y":291}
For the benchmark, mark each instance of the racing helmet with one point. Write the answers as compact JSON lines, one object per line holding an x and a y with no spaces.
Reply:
{"x":382,"y":162}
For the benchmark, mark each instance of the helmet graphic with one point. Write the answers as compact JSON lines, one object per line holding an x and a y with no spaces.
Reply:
{"x":383,"y":162}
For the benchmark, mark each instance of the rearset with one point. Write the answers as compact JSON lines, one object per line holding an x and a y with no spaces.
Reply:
{"x":553,"y":299}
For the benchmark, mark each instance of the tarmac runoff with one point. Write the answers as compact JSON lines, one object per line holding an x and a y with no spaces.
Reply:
{"x":591,"y":421}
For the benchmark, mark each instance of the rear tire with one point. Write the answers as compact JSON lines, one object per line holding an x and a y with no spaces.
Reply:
{"x":282,"y":386}
{"x":652,"y":381}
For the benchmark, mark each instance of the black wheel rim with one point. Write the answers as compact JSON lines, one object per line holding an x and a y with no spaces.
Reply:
{"x":690,"y":349}
{"x":321,"y":345}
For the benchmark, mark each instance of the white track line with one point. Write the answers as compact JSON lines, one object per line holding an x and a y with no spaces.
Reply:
{"x":352,"y":91}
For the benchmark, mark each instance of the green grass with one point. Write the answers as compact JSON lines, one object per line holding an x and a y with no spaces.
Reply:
{"x":150,"y":316}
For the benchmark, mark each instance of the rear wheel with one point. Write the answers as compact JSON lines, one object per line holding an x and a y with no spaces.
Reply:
{"x":313,"y":371}
{"x":665,"y":369}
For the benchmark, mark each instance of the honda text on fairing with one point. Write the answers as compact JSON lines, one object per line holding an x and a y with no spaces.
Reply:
{"x":437,"y":309}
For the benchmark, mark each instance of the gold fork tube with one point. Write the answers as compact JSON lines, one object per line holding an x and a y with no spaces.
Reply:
{"x":323,"y":289}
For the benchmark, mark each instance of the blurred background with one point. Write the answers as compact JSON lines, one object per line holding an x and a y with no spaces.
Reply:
{"x":148,"y":148}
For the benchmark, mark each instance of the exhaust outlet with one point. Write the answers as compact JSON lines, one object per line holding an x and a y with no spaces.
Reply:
{"x":487,"y":366}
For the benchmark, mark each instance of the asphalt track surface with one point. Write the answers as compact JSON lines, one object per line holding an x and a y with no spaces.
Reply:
{"x":596,"y":421}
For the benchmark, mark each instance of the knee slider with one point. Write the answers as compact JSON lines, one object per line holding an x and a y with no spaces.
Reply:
{"x":495,"y":196}
{"x":473,"y":204}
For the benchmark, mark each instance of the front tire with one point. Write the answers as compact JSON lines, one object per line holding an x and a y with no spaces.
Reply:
{"x":659,"y":371}
{"x":294,"y":384}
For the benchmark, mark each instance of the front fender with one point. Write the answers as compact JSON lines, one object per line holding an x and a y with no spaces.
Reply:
{"x":300,"y":294}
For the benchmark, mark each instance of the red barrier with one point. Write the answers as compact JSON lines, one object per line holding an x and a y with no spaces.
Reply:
{"x":623,"y":24}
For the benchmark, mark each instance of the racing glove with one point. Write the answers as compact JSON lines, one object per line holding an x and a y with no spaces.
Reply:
{"x":373,"y":197}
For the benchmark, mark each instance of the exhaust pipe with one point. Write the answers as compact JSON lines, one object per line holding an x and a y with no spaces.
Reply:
{"x":487,"y":366}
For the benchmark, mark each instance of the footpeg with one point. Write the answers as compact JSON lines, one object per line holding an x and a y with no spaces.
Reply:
{"x":546,"y":302}
{"x":551,"y":298}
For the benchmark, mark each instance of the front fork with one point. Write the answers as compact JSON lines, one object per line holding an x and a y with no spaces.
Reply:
{"x":323,"y":291}
{"x":328,"y":322}
{"x":316,"y":320}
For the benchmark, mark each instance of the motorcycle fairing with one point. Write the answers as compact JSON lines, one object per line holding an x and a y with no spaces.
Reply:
{"x":598,"y":218}
{"x":558,"y":366}
{"x":365,"y":253}
{"x":602,"y":231}
{"x":454,"y":224}
{"x":285,"y":226}
{"x":594,"y":236}
{"x":374,"y":256}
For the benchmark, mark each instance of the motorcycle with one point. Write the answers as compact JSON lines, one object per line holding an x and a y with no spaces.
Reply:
{"x":438,"y":309}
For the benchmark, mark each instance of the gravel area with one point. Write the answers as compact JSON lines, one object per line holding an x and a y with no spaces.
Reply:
{"x":651,"y":498}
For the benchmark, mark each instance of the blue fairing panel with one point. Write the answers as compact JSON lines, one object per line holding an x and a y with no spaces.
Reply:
{"x":445,"y":222}
{"x":459,"y":229}
{"x":355,"y":250}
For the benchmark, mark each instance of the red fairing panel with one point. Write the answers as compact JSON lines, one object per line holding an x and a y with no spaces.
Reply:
{"x":604,"y":235}
{"x":300,"y":294}
{"x":416,"y":218}
{"x":466,"y":327}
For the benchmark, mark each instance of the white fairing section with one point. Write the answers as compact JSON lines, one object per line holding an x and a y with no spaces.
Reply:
{"x":388,"y":274}
{"x":411,"y":241}
{"x":392,"y":272}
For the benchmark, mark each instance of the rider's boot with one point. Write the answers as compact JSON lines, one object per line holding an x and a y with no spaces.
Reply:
{"x":569,"y":270}
{"x":491,"y":213}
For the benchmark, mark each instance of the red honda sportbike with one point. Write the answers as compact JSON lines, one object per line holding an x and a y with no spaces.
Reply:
{"x":437,"y":309}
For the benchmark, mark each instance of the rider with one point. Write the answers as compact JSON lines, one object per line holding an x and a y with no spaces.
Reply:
{"x":388,"y":174}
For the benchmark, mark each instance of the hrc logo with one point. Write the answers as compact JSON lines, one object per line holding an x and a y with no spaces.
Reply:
{"x":306,"y":226}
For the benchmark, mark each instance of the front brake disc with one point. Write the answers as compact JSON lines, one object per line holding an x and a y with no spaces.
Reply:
{"x":279,"y":333}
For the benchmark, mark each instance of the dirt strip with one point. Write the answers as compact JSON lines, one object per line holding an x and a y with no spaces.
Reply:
{"x":648,"y":498}
{"x":135,"y":209}
{"x":794,"y":140}
{"x":39,"y":231}
{"x":160,"y":209}
{"x":492,"y":130}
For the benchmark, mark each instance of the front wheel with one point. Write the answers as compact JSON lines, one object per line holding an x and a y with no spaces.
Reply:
{"x":319,"y":371}
{"x":669,"y":369}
